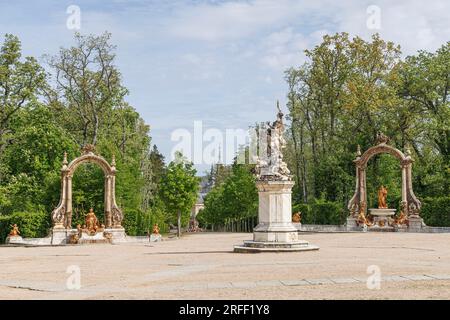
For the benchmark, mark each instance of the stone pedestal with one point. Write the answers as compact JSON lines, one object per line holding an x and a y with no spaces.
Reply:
{"x":351,"y":224}
{"x":117,"y":234}
{"x":61,"y":235}
{"x":415,"y":224}
{"x":297,"y":225}
{"x":97,"y":238}
{"x":275,"y":231}
{"x":14,"y":240}
{"x":381,"y":218}
{"x":155,"y":237}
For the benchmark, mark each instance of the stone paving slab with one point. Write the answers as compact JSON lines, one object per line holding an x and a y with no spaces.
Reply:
{"x":269,"y":283}
{"x":417,"y":277}
{"x":394,"y":278}
{"x":344,"y":280}
{"x":439,"y":276}
{"x":220,"y":285}
{"x":203,"y":266}
{"x":243,"y":284}
{"x":295,"y":282}
{"x":319,"y":281}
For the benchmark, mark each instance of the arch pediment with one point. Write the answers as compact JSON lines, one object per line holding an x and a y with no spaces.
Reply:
{"x":381,"y":148}
{"x":90,"y":158}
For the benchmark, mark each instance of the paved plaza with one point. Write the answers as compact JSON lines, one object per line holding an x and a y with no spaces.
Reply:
{"x":203,"y":266}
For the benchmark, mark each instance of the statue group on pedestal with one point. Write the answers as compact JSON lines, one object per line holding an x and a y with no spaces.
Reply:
{"x":270,"y":164}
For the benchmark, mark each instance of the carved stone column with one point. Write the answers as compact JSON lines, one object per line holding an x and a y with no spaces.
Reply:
{"x":108,"y":201}
{"x":68,"y":224}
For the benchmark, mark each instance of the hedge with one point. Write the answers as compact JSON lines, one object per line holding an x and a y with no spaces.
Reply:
{"x":138,"y":223}
{"x":31,"y":224}
{"x":321,"y":212}
{"x":436,"y":211}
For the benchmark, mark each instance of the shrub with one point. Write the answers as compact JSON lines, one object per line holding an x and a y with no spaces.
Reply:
{"x":326,"y":212}
{"x":139,"y":223}
{"x":436,"y":211}
{"x":130,"y":222}
{"x":31,"y":224}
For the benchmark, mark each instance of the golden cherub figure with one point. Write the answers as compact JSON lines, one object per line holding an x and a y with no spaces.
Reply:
{"x":155,"y":229}
{"x":362,"y":219}
{"x":14,"y":231}
{"x":382,"y":194}
{"x":297,"y":217}
{"x":402,"y":219}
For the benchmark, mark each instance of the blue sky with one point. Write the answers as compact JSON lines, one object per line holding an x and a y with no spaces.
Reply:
{"x":221,"y":62}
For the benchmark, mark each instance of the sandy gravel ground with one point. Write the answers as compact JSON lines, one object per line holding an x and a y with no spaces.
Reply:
{"x":203,"y":266}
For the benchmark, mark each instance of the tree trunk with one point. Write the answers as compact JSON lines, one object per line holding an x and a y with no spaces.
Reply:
{"x":179,"y":224}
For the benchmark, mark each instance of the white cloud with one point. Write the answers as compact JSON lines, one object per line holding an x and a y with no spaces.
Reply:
{"x":232,"y":20}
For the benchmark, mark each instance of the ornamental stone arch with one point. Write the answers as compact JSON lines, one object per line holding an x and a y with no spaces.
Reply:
{"x":410,"y":205}
{"x":62,"y":214}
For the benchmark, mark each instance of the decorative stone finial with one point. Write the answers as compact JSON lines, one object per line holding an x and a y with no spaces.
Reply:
{"x":88,"y":149}
{"x":408,"y":151}
{"x":65,"y":162}
{"x":382,"y":138}
{"x":358,"y":151}
{"x":113,"y":161}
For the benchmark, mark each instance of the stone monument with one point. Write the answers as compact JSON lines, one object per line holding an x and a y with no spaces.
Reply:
{"x":62,"y":231}
{"x":383,"y":217}
{"x":275,"y":231}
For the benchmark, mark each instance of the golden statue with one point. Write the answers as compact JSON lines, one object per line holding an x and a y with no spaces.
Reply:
{"x":91,"y":221}
{"x":155,"y":229}
{"x":402,"y":219}
{"x":297,"y":217}
{"x":382,"y":194}
{"x":74,"y":238}
{"x":362,"y":219}
{"x":14,"y":231}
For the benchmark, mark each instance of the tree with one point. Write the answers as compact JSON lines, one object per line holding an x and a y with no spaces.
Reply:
{"x":179,"y":188}
{"x":343,"y":95}
{"x":20,"y":83}
{"x":88,"y":83}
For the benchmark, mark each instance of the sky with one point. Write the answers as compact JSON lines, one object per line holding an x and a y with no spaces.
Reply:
{"x":219,"y":62}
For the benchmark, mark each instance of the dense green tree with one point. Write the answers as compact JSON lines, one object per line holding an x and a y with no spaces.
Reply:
{"x":179,"y":188}
{"x":347,"y":91}
{"x":88,"y":84}
{"x":20,"y":83}
{"x":234,"y":199}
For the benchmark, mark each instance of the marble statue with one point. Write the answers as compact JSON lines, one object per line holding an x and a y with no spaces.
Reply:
{"x":270,"y":164}
{"x":382,"y":194}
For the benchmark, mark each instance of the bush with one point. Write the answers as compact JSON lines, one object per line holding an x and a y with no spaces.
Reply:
{"x":31,"y":224}
{"x":436,"y":211}
{"x":326,"y":212}
{"x":130,"y":222}
{"x":139,"y":223}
